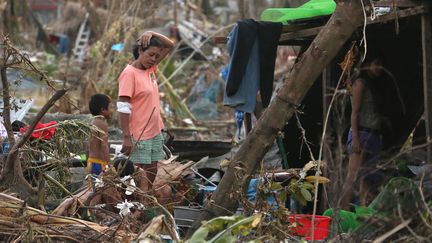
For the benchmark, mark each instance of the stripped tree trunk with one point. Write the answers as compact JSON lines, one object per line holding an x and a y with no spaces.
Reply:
{"x":345,"y":20}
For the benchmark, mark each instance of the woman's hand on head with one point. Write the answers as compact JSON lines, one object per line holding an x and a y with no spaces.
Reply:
{"x":145,"y":38}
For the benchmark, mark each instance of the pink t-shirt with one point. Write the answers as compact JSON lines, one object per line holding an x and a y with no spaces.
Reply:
{"x":142,"y":88}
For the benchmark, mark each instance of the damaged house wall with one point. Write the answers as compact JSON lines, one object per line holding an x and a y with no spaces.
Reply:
{"x":401,"y":99}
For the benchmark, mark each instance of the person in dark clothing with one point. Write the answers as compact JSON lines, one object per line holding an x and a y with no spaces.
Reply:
{"x":365,"y":137}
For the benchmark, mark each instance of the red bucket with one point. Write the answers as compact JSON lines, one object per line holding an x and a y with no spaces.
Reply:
{"x":303,"y":226}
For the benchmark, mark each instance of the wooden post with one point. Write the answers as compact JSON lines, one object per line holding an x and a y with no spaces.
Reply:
{"x":326,"y":84}
{"x":427,"y":77}
{"x":241,"y":8}
{"x":248,"y":122}
{"x":188,"y":10}
{"x":175,"y":12}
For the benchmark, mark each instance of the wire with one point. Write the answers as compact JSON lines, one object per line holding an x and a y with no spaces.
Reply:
{"x":364,"y":39}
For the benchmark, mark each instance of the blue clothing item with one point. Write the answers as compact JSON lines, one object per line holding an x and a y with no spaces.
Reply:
{"x":370,"y":142}
{"x":63,"y":44}
{"x":252,"y":191}
{"x":5,"y":148}
{"x":239,"y":115}
{"x":253,"y":40}
{"x":240,"y":48}
{"x":373,"y":145}
{"x":96,"y":169}
{"x":245,"y":97}
{"x":224,"y":72}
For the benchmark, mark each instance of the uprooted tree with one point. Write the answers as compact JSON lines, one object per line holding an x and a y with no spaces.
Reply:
{"x":12,"y":174}
{"x":344,"y":21}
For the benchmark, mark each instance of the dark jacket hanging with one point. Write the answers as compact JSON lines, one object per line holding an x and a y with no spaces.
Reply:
{"x":268,"y":39}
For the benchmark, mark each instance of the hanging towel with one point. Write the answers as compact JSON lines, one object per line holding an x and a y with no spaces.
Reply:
{"x":243,"y":87}
{"x":252,"y":47}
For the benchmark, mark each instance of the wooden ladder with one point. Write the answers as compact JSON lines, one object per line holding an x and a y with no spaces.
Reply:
{"x":81,"y":42}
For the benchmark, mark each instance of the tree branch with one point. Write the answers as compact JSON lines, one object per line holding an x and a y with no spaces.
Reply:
{"x":12,"y":166}
{"x":6,"y":106}
{"x":58,"y":94}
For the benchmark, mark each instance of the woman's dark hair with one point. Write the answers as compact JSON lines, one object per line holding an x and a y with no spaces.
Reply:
{"x":360,"y":67}
{"x":374,"y":84}
{"x":98,"y":102}
{"x":153,"y":42}
{"x":123,"y":166}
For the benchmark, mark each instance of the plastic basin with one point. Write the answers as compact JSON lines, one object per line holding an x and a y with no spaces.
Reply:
{"x":303,"y":226}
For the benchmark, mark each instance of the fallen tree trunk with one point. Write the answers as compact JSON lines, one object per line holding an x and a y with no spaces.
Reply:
{"x":344,"y":21}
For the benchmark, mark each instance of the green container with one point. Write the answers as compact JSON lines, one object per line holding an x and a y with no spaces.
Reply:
{"x":349,"y":221}
{"x":313,"y":8}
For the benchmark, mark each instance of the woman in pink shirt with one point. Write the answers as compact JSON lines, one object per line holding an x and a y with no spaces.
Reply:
{"x":138,"y":104}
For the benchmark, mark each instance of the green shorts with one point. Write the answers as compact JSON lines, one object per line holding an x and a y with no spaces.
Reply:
{"x":147,"y":151}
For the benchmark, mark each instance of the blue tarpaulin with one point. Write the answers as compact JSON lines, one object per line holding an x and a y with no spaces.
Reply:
{"x":117,"y":47}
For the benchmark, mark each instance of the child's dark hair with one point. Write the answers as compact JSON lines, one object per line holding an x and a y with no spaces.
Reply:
{"x":123,"y":166}
{"x":98,"y":102}
{"x":153,"y":42}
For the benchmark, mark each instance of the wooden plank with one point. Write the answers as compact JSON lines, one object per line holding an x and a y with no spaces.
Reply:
{"x":296,"y":42}
{"x":399,"y":3}
{"x":391,"y":16}
{"x":285,"y":29}
{"x":301,"y":33}
{"x":296,"y":27}
{"x":427,"y":78}
{"x":399,"y":14}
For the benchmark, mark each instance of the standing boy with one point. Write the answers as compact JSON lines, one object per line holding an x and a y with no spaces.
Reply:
{"x":98,"y":159}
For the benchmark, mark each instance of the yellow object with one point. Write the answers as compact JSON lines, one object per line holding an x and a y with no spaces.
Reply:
{"x":90,"y":162}
{"x":224,"y":163}
{"x":321,"y":179}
